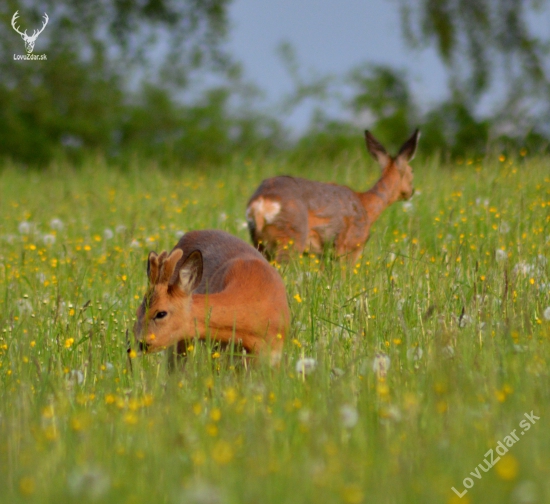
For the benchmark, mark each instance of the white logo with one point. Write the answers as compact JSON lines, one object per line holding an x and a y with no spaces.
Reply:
{"x":29,"y":40}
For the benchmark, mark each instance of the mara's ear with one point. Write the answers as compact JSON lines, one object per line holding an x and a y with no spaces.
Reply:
{"x":152,"y":268}
{"x":408,"y":149}
{"x":169,"y":264}
{"x":377,"y":150}
{"x":189,"y":274}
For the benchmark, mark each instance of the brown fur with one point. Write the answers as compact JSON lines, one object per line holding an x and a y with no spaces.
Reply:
{"x":213,"y":285}
{"x":289,"y":213}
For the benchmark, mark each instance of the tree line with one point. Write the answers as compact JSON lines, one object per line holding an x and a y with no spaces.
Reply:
{"x":127,"y":79}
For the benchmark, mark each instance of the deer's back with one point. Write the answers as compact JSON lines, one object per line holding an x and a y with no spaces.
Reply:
{"x":318,"y":197}
{"x":219,"y":251}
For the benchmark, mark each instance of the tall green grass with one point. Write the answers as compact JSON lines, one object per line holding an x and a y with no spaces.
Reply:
{"x":424,"y":354}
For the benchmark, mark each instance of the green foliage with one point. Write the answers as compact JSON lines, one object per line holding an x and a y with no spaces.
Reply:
{"x":479,"y":39}
{"x":451,"y":290}
{"x":78,"y":100}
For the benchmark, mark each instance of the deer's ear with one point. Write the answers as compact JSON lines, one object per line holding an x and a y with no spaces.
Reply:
{"x":376,"y":150}
{"x":189,"y":274}
{"x":408,"y":149}
{"x":152,"y":268}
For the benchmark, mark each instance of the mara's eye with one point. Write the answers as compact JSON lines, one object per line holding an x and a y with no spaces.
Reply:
{"x":160,"y":314}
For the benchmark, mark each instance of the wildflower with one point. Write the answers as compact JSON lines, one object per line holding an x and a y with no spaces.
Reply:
{"x":546,"y":313}
{"x":349,"y":416}
{"x":57,"y":224}
{"x":507,"y":467}
{"x":408,"y":205}
{"x":464,"y":320}
{"x":381,"y":364}
{"x":298,"y":298}
{"x":135,"y":244}
{"x":69,"y":342}
{"x":222,"y":453}
{"x":306,"y":366}
{"x":92,"y":483}
{"x":414,"y":353}
{"x":75,"y":377}
{"x":108,"y":234}
{"x":500,"y":255}
{"x":24,"y":227}
{"x":352,"y":494}
{"x":48,"y":239}
{"x":26,"y":486}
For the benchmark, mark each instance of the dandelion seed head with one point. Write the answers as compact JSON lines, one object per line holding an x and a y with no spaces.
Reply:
{"x":75,"y":377}
{"x":57,"y":224}
{"x":24,"y":227}
{"x":504,"y":227}
{"x":90,"y":483}
{"x":414,"y":353}
{"x":108,"y":234}
{"x":348,"y":416}
{"x":48,"y":239}
{"x":381,"y":364}
{"x":306,"y":365}
{"x":501,"y":255}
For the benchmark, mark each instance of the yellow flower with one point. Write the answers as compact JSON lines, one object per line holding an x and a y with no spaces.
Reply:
{"x":298,"y":298}
{"x":353,"y":494}
{"x":69,"y":342}
{"x":26,"y":486}
{"x":222,"y":452}
{"x":507,"y":467}
{"x":216,"y":414}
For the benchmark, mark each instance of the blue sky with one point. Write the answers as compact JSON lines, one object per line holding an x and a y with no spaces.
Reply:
{"x":332,"y":36}
{"x":328,"y":37}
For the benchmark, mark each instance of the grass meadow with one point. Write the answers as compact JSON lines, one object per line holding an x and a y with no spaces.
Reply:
{"x":401,"y":372}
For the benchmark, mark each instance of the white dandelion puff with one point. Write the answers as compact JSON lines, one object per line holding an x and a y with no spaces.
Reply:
{"x":48,"y":239}
{"x":108,"y":234}
{"x":381,"y":364}
{"x":415,"y":353}
{"x":57,"y":224}
{"x":546,"y":313}
{"x":24,"y":227}
{"x":349,"y":416}
{"x":75,"y":377}
{"x":90,"y":483}
{"x":306,"y":365}
{"x":501,"y":255}
{"x":504,"y":227}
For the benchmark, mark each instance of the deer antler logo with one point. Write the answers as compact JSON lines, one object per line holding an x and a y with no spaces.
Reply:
{"x":29,"y":40}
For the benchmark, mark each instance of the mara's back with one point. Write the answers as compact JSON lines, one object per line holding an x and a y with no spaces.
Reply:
{"x":219,"y":250}
{"x":316,"y":196}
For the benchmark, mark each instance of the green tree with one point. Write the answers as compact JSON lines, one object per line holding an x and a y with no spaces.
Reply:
{"x":482,"y":40}
{"x":97,"y":52}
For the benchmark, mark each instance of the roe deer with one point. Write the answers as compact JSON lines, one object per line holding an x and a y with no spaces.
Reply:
{"x":213,"y":285}
{"x":289,"y":213}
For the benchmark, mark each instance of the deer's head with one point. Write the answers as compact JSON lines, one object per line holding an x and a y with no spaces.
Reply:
{"x":398,"y":164}
{"x":164,"y":314}
{"x":29,"y":39}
